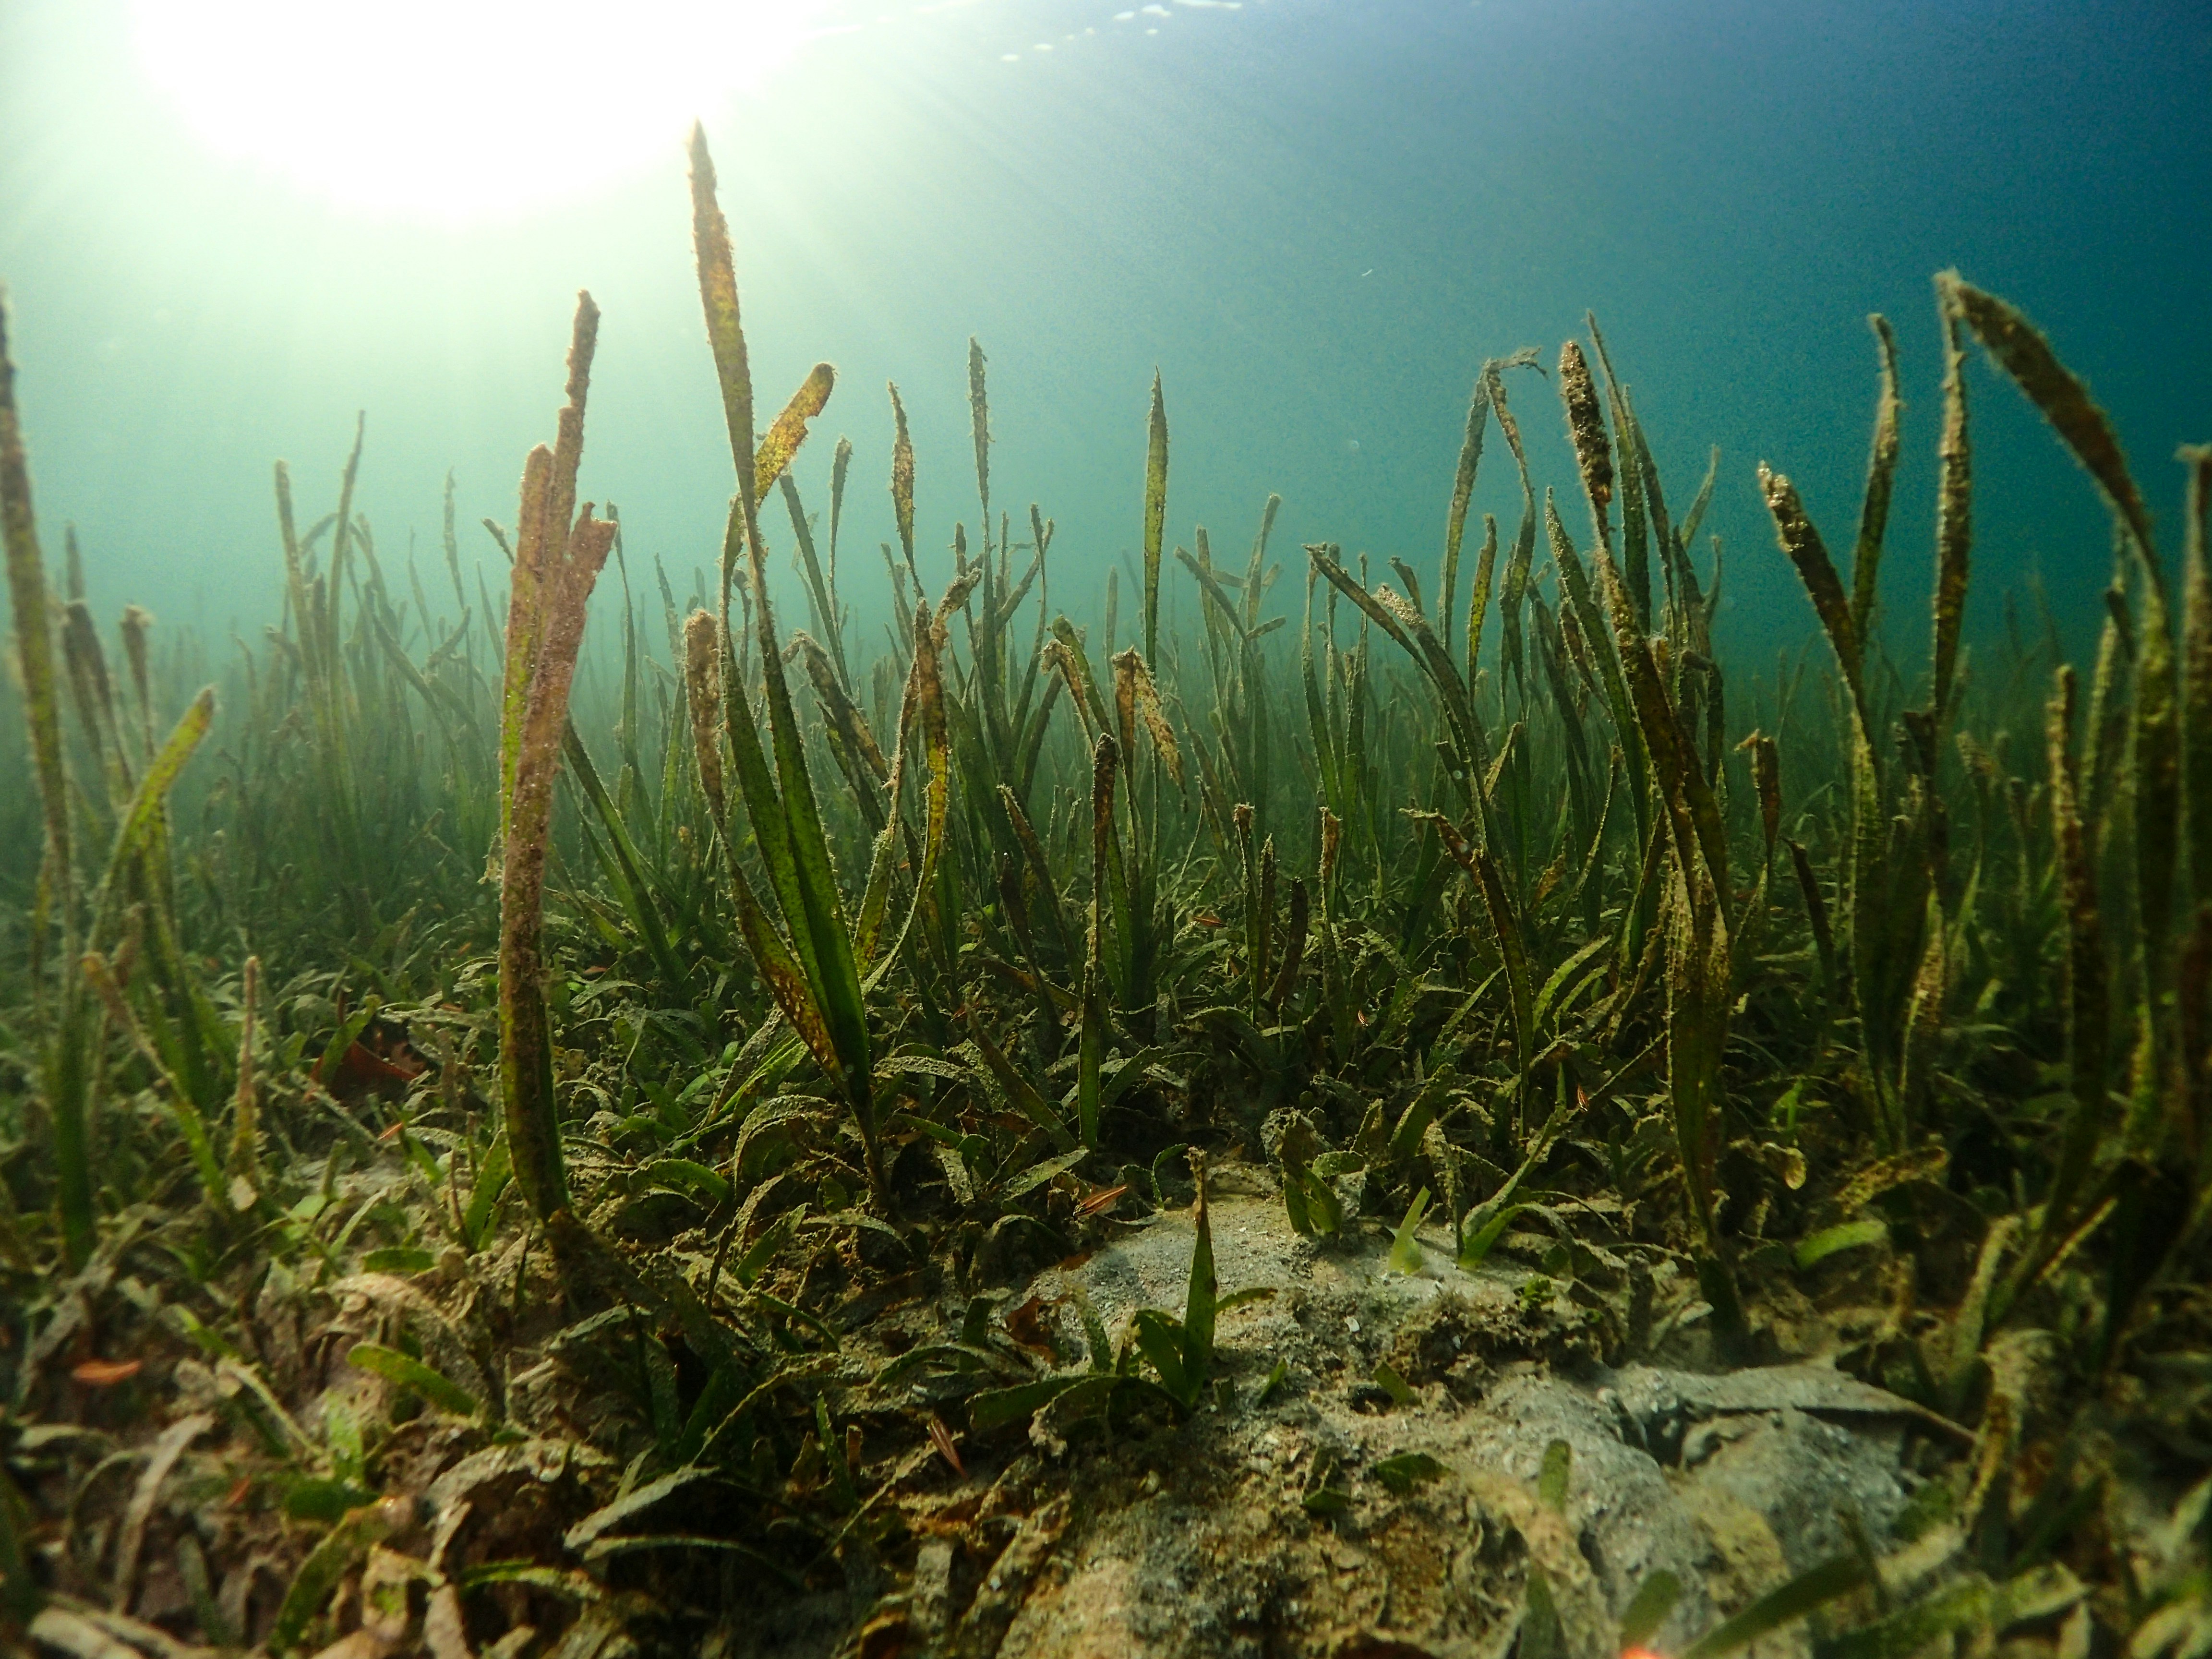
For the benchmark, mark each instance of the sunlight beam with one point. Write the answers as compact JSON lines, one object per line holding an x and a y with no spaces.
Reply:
{"x":456,"y":110}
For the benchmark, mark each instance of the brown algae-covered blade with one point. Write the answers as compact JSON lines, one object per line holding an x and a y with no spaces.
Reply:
{"x":541,"y":545}
{"x":841,"y":464}
{"x":526,"y":1046}
{"x":1156,"y":510}
{"x":902,"y":479}
{"x":2023,"y":353}
{"x":555,"y":567}
{"x":2157,"y":761}
{"x":1882,"y":477}
{"x":569,"y":433}
{"x":1629,"y":478}
{"x":1470,"y":459}
{"x":718,"y":295}
{"x":979,"y":415}
{"x":1091,"y":1040}
{"x":1524,"y":540}
{"x":1128,"y":668}
{"x":2196,"y":666}
{"x":1478,"y":603}
{"x":1955,"y":522}
{"x":1256,"y":577}
{"x":141,"y":816}
{"x":1803,"y":543}
{"x":1586,"y":429}
{"x":703,"y":687}
{"x":524,"y":621}
{"x":781,"y":443}
{"x":2020,"y":348}
{"x":926,"y":688}
{"x":1597,"y":637}
{"x":2088,"y":990}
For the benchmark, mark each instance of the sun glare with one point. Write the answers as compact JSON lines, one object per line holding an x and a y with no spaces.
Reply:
{"x":457,"y":110}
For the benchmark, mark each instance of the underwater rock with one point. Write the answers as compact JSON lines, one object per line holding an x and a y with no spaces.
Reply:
{"x":1202,"y":1541}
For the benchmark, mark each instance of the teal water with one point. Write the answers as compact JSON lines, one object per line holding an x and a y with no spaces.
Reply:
{"x":1315,"y":219}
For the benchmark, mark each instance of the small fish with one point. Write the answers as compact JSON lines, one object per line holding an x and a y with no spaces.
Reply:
{"x":1206,"y":919}
{"x":1101,"y":1202}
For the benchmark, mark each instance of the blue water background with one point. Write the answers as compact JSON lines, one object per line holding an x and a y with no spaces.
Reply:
{"x":1314,"y":218}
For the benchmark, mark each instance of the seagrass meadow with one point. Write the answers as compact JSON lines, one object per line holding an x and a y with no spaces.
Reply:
{"x":490,"y":1169}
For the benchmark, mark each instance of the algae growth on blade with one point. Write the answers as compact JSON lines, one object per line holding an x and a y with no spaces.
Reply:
{"x":764,"y":1071}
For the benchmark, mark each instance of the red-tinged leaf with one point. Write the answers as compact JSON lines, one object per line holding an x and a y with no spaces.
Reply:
{"x":107,"y":1373}
{"x":942,"y":1440}
{"x":1025,"y":1324}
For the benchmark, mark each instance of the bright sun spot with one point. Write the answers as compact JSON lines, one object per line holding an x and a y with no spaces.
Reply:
{"x":457,"y":109}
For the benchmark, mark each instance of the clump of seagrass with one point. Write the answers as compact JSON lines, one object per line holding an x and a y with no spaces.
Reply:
{"x":35,"y":655}
{"x":135,"y":881}
{"x":558,"y":553}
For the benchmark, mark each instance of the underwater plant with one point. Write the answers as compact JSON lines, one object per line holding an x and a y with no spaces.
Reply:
{"x":559,"y":548}
{"x":1525,"y":960}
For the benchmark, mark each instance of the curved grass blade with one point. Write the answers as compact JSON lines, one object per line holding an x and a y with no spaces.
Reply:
{"x":1020,"y":1090}
{"x":2023,"y":353}
{"x":1881,"y":475}
{"x":1831,"y":1241}
{"x":329,"y":1562}
{"x":903,"y":480}
{"x":1812,"y":1589}
{"x":2020,"y":348}
{"x":1505,"y":929}
{"x":924,"y":703}
{"x":781,"y":443}
{"x":410,"y":1372}
{"x":1648,"y":1609}
{"x":841,"y":464}
{"x":142,"y":816}
{"x":1836,"y":610}
{"x":1470,"y":460}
